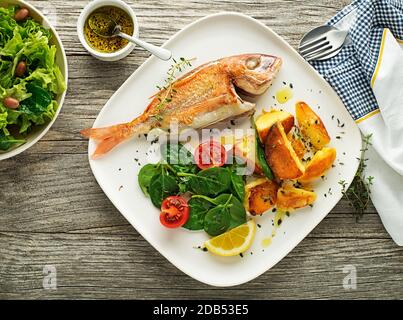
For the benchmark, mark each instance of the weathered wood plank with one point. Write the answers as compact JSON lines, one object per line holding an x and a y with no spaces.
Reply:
{"x":124,"y":266}
{"x":158,"y":20}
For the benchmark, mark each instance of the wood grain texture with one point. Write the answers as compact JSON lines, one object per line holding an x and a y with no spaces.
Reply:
{"x":52,"y":211}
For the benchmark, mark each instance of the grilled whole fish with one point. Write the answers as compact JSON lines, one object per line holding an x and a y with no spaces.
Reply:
{"x":202,"y":97}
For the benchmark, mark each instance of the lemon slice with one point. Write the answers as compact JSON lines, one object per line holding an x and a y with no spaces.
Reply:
{"x":233,"y":242}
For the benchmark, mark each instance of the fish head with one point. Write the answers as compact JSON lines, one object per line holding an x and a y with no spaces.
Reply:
{"x":253,"y":73}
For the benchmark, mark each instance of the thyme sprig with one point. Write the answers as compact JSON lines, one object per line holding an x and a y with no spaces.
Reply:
{"x":358,"y":194}
{"x":168,"y":87}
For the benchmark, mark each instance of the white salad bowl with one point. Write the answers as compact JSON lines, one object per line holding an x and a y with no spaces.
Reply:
{"x":61,"y":61}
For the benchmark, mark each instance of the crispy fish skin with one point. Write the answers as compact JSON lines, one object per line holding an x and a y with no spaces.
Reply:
{"x":202,"y":97}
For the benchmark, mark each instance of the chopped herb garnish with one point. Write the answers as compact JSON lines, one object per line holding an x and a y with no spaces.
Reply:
{"x":168,"y":89}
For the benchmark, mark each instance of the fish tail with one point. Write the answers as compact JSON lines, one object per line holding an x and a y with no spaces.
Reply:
{"x":106,"y":145}
{"x":110,"y":137}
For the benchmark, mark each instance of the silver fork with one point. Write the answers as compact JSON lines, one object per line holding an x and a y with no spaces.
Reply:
{"x":322,"y":43}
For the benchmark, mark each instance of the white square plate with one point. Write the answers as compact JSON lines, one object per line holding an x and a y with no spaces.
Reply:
{"x":208,"y":39}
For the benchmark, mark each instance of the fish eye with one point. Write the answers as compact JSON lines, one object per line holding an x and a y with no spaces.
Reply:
{"x":252,"y":63}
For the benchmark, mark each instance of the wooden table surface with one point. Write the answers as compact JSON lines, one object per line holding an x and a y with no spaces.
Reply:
{"x":52,"y":211}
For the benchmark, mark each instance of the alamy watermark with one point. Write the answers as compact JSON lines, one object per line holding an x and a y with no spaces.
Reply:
{"x":240,"y":145}
{"x":350,"y":280}
{"x":50,"y":277}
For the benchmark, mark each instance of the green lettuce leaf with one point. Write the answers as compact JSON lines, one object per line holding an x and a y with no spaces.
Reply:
{"x":8,"y":141}
{"x":37,"y":109}
{"x":26,"y":41}
{"x":3,"y":121}
{"x":7,"y":24}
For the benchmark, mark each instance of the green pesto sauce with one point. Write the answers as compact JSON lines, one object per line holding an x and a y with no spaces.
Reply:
{"x":112,"y":44}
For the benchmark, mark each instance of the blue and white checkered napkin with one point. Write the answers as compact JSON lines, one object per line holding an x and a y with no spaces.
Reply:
{"x":368,"y":76}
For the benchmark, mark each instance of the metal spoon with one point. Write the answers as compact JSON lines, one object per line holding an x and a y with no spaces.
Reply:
{"x":106,"y":27}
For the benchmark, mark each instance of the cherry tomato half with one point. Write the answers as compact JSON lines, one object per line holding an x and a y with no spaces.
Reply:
{"x":210,"y":154}
{"x":174,"y":212}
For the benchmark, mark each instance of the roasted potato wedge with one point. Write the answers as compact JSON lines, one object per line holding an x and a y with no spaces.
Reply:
{"x":280,"y":155}
{"x":320,"y":163}
{"x":245,"y":148}
{"x":291,"y":198}
{"x":297,"y":144}
{"x":311,"y":125}
{"x":261,"y":196}
{"x":265,"y":121}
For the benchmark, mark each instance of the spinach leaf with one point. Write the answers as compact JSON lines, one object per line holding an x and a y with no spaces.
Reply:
{"x":179,"y":160}
{"x":162,"y":186}
{"x":146,"y":174}
{"x":237,"y":210}
{"x":260,"y":155}
{"x":198,"y":209}
{"x":217,"y":220}
{"x":261,"y":158}
{"x":210,"y":182}
{"x":184,"y":181}
{"x":237,"y":183}
{"x":183,"y":184}
{"x":178,"y":157}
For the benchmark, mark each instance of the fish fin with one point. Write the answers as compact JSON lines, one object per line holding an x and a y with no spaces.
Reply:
{"x":99,"y":134}
{"x":107,"y":145}
{"x":108,"y":137}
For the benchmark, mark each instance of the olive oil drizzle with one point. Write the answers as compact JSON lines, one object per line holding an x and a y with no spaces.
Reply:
{"x":277,"y":221}
{"x":284,"y":95}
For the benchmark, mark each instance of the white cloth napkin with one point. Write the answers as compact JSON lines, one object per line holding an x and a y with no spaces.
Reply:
{"x":368,"y":76}
{"x":386,"y":157}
